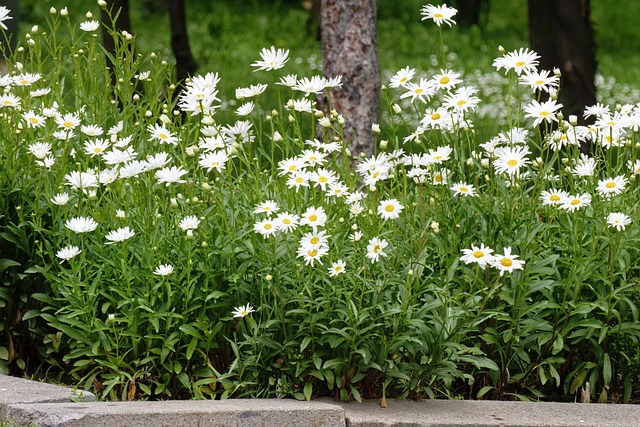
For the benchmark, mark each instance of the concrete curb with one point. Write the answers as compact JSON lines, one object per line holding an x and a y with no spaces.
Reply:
{"x":46,"y":405}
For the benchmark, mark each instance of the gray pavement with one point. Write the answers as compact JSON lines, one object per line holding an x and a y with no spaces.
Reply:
{"x":46,"y":405}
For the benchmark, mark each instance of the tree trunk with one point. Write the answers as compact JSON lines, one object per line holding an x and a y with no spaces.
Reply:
{"x":560,"y":31}
{"x":185,"y":64}
{"x":470,"y":11}
{"x":349,"y":49}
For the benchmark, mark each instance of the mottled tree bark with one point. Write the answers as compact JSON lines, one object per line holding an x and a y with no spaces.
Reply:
{"x":185,"y":64}
{"x":350,"y":49}
{"x":560,"y":31}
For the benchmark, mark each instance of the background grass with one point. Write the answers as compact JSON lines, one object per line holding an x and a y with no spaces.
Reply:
{"x":226,"y":35}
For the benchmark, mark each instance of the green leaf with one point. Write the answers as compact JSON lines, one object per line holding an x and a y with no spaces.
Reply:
{"x":5,"y":263}
{"x":308,"y":390}
{"x":484,"y":390}
{"x":558,"y":345}
{"x":606,"y":370}
{"x":31,"y":314}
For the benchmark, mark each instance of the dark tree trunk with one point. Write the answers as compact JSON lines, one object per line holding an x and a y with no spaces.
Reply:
{"x":560,"y":31}
{"x":470,"y":11}
{"x":118,"y":10}
{"x":185,"y":64}
{"x":349,"y":49}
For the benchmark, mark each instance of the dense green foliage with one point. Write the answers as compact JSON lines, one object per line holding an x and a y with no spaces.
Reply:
{"x":416,"y":322}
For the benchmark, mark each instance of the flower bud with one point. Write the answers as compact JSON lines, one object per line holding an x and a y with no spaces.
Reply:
{"x":573,"y":119}
{"x":383,"y":144}
{"x":375,"y":128}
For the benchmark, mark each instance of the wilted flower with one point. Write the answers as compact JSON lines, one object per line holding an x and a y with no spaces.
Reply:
{"x":68,"y":252}
{"x":163,"y":270}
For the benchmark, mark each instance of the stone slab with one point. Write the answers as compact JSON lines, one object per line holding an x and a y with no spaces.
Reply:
{"x":459,"y":413}
{"x":201,"y":413}
{"x":15,"y":390}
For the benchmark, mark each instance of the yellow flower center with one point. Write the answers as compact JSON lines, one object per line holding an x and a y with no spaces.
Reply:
{"x":610,"y":184}
{"x":267,"y":226}
{"x":438,"y":178}
{"x":403,"y":80}
{"x":215,"y":164}
{"x":389,"y":208}
{"x":312,"y":158}
{"x":544,"y":113}
{"x":437,"y":157}
{"x":286,"y":221}
{"x":67,"y":124}
{"x":435,"y":116}
{"x":337,"y":268}
{"x":464,"y":189}
{"x":376,"y":249}
{"x":312,"y":253}
{"x":506,"y":262}
{"x":444,"y":80}
{"x":461,"y":103}
{"x":299,"y":180}
{"x":314,"y":240}
{"x":97,"y":149}
{"x":7,"y":102}
{"x":419,"y":91}
{"x":163,"y":136}
{"x":520,"y":64}
{"x":539,"y":82}
{"x":323,"y":179}
{"x":512,"y":162}
{"x":376,"y":174}
{"x":575,"y":202}
{"x":554,"y":198}
{"x":33,"y":120}
{"x":478,"y":254}
{"x":313,"y":217}
{"x":438,"y":15}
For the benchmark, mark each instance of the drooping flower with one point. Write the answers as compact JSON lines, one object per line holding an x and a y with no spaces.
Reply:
{"x":4,"y":16}
{"x":68,"y":252}
{"x":119,"y":235}
{"x":89,"y":26}
{"x":272,"y":59}
{"x":618,"y":220}
{"x":171,"y":175}
{"x":190,"y":222}
{"x":163,"y":270}
{"x":81,"y":180}
{"x":81,"y":224}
